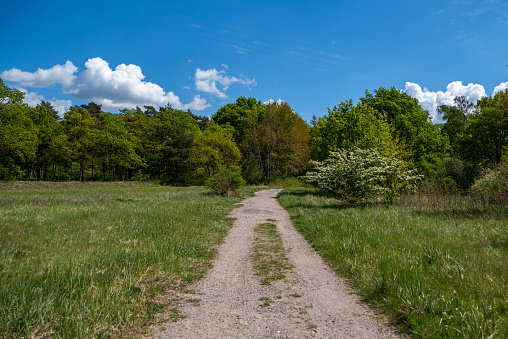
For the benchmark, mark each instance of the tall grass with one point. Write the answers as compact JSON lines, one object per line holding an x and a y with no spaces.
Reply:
{"x":96,"y":261}
{"x":439,"y":272}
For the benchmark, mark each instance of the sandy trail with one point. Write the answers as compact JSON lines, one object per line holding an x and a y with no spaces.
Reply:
{"x":230,"y":294}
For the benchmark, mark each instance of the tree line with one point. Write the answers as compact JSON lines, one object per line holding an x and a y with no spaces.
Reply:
{"x":261,"y":141}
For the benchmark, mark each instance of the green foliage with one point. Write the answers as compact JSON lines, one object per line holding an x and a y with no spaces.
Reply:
{"x":51,"y":137}
{"x":492,"y":186}
{"x":347,"y":126}
{"x":9,"y":95}
{"x":240,"y":116}
{"x":251,"y":171}
{"x":225,"y":182}
{"x":273,"y":141}
{"x":486,"y":138}
{"x":359,"y":175}
{"x":415,"y":132}
{"x":175,"y":153}
{"x":213,"y":150}
{"x":453,"y":175}
{"x":455,"y":118}
{"x":81,"y":130}
{"x":114,"y":145}
{"x":280,"y":142}
{"x":18,"y":136}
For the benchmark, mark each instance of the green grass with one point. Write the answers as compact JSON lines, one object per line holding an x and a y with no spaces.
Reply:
{"x":268,"y":254}
{"x":95,"y":260}
{"x":438,"y":275}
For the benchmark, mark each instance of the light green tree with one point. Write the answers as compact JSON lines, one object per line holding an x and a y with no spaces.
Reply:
{"x":347,"y":127}
{"x":242,"y":116}
{"x":115,"y":145}
{"x":18,"y":136}
{"x":486,"y":136}
{"x":80,"y":128}
{"x":425,"y":144}
{"x":214,"y":149}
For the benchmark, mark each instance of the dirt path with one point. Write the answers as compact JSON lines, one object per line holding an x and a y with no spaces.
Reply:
{"x":311,"y":302}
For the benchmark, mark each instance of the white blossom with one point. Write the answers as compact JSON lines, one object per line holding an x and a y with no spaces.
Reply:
{"x":359,"y":175}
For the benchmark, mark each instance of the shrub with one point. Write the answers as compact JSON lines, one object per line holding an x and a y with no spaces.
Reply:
{"x":225,"y":182}
{"x":453,"y":175}
{"x":360,"y":175}
{"x":492,"y":186}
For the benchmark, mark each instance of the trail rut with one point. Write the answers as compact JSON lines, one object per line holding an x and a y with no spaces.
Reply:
{"x":311,"y":302}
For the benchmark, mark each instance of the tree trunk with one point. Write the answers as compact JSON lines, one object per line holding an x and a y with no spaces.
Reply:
{"x":82,"y":172}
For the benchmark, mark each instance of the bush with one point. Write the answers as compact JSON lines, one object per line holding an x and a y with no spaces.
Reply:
{"x":453,"y":175}
{"x":225,"y":182}
{"x":492,"y":186}
{"x":360,"y":175}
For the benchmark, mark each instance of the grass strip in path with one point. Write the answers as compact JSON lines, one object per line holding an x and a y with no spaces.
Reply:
{"x":437,"y":275}
{"x":268,"y":254}
{"x":96,"y":260}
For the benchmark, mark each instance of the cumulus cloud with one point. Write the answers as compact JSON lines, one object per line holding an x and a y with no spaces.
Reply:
{"x":60,"y":105}
{"x":271,"y":101}
{"x":32,"y":99}
{"x":58,"y":74}
{"x":123,"y":87}
{"x":501,"y":87}
{"x":207,"y":80}
{"x":432,"y":100}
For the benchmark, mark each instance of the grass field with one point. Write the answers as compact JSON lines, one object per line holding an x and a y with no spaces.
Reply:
{"x":437,"y":274}
{"x":94,"y":260}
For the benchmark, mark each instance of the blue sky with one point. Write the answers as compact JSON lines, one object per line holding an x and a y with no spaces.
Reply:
{"x":201,"y":55}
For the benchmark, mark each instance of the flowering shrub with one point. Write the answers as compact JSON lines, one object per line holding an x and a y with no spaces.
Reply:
{"x":359,"y":175}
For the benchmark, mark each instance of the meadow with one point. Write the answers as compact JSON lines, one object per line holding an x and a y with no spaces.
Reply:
{"x":99,"y":259}
{"x":437,"y":270}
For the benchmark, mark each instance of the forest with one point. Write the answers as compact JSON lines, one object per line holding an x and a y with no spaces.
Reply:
{"x":263,"y":142}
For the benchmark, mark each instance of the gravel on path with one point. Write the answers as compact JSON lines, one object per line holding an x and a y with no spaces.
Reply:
{"x":311,"y":302}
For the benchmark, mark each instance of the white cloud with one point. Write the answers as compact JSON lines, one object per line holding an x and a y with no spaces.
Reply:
{"x":432,"y":100}
{"x":225,"y":66}
{"x":32,"y":99}
{"x":122,"y":87}
{"x":60,"y":105}
{"x":58,"y":74}
{"x":501,"y":87}
{"x":271,"y":101}
{"x":206,"y":81}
